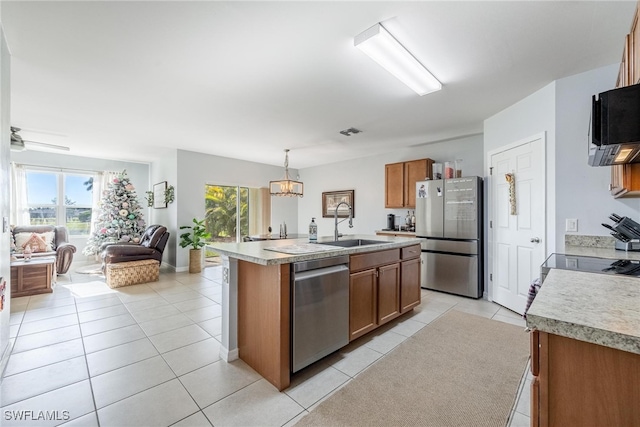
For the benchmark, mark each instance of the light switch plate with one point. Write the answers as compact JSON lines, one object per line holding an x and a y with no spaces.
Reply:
{"x":571,"y":225}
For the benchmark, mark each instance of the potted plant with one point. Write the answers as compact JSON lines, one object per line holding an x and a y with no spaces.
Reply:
{"x":196,"y":240}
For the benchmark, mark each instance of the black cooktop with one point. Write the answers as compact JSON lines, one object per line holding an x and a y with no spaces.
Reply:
{"x":629,"y":267}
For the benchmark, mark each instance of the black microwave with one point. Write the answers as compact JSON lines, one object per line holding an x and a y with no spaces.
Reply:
{"x":614,"y":133}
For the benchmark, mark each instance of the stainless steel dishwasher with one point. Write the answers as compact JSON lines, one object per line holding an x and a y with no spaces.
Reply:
{"x":320,"y":309}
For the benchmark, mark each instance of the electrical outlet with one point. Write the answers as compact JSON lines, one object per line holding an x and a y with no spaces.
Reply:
{"x":5,"y":224}
{"x":571,"y":225}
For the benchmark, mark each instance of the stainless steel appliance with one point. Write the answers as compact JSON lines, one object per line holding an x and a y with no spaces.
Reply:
{"x":320,"y":309}
{"x":449,"y":218}
{"x":614,"y":134}
{"x":391,"y":222}
{"x":628,"y":267}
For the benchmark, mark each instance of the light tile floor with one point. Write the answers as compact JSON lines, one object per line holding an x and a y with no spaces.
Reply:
{"x":147,"y":355}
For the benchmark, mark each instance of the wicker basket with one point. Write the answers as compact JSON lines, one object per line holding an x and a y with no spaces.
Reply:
{"x":132,"y":273}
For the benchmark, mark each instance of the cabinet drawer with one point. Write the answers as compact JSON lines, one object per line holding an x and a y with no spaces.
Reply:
{"x":410,"y":252}
{"x":373,"y":259}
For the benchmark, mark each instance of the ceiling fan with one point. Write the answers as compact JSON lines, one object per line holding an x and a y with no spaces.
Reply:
{"x":18,"y":144}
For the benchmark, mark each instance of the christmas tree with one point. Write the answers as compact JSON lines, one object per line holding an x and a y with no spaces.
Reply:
{"x":120,"y":218}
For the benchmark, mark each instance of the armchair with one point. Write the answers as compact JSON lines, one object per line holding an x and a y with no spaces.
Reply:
{"x":61,"y":249}
{"x":151,"y":246}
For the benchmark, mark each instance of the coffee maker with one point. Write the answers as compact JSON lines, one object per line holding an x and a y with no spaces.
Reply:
{"x":391,"y":222}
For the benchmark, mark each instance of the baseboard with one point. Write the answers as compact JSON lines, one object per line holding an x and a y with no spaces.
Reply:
{"x":167,"y":267}
{"x":181,"y":269}
{"x":228,"y":356}
{"x":5,"y":358}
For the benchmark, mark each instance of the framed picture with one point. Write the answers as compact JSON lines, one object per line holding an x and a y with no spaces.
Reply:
{"x":158,"y":195}
{"x":331,"y":200}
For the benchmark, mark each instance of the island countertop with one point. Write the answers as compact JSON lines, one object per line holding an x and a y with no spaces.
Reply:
{"x":596,"y":308}
{"x":263,"y":253}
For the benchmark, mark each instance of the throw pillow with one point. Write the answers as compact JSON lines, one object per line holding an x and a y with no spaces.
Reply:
{"x":48,"y":239}
{"x":21,"y":239}
{"x":36,"y":243}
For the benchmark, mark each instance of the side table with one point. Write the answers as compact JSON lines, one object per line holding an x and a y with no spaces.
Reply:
{"x":32,"y":277}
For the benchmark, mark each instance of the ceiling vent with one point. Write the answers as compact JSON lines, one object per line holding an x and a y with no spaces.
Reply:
{"x":348,"y":132}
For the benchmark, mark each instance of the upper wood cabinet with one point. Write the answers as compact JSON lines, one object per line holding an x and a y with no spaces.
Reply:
{"x":400,"y":182}
{"x":625,"y":179}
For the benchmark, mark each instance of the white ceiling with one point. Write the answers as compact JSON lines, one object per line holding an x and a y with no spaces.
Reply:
{"x":123,"y":80}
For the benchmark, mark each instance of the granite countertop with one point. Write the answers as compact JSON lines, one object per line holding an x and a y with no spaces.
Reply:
{"x":610,"y":253}
{"x":257,"y":253}
{"x":597,"y":308}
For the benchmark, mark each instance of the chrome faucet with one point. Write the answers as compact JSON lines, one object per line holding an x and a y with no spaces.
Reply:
{"x":335,"y":218}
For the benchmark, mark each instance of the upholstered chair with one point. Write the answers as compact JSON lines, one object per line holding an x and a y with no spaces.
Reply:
{"x":151,"y":246}
{"x":60,"y":248}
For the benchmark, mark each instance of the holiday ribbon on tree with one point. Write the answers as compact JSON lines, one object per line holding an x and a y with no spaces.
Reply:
{"x":120,"y":217}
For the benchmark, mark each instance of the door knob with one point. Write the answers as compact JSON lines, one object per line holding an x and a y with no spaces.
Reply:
{"x":535,"y":240}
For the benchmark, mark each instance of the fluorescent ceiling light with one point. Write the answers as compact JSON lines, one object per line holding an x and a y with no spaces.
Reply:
{"x":383,"y":48}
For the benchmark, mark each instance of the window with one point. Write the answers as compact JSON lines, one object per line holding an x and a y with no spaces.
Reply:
{"x":222,"y":204}
{"x":60,"y":198}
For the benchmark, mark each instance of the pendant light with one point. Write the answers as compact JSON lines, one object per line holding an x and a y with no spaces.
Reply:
{"x":287,"y":186}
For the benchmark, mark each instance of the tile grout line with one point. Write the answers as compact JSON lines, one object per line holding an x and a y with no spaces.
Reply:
{"x":86,"y":365}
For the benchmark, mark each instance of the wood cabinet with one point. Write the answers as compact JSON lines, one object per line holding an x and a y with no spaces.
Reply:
{"x":374,"y":290}
{"x":388,"y":293}
{"x":625,"y":179}
{"x":400,"y":182}
{"x":410,"y":292}
{"x":577,"y":383}
{"x":363,"y":303}
{"x":382,"y":286}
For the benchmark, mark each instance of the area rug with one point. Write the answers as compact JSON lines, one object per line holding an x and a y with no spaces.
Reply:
{"x":90,"y":269}
{"x":460,"y":370}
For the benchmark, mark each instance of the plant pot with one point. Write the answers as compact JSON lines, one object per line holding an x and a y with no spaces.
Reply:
{"x":195,"y":260}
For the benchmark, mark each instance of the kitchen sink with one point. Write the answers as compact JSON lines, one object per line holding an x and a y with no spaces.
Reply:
{"x":353,"y":242}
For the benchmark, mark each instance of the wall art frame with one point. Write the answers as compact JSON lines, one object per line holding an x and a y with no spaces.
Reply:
{"x":331,"y":199}
{"x":159,"y":189}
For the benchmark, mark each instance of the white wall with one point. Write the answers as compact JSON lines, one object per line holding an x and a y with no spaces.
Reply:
{"x":194,"y":170}
{"x":366,"y":177}
{"x":167,"y":170}
{"x":574,"y":189}
{"x":138,"y":173}
{"x":530,"y":116}
{"x":5,"y":271}
{"x":582,"y":191}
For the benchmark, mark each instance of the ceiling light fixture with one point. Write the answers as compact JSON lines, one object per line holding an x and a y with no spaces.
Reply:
{"x":286,"y":186}
{"x":383,"y":48}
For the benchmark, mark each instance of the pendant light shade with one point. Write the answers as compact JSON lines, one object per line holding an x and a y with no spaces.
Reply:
{"x":287,"y":186}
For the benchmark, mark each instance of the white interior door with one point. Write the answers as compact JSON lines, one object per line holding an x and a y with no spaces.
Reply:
{"x":518,"y":238}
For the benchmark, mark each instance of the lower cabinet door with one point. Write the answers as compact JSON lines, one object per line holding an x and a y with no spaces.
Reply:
{"x":363,"y":303}
{"x":410,"y":292}
{"x":388,"y":292}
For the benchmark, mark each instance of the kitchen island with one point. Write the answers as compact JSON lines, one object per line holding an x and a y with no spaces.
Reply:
{"x":256,"y":293}
{"x":585,"y":350}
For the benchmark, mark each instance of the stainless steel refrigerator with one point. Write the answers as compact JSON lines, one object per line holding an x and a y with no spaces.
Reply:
{"x":449,"y":219}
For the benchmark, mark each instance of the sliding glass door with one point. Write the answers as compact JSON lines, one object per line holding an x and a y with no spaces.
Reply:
{"x":227,"y":212}
{"x":233,"y":213}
